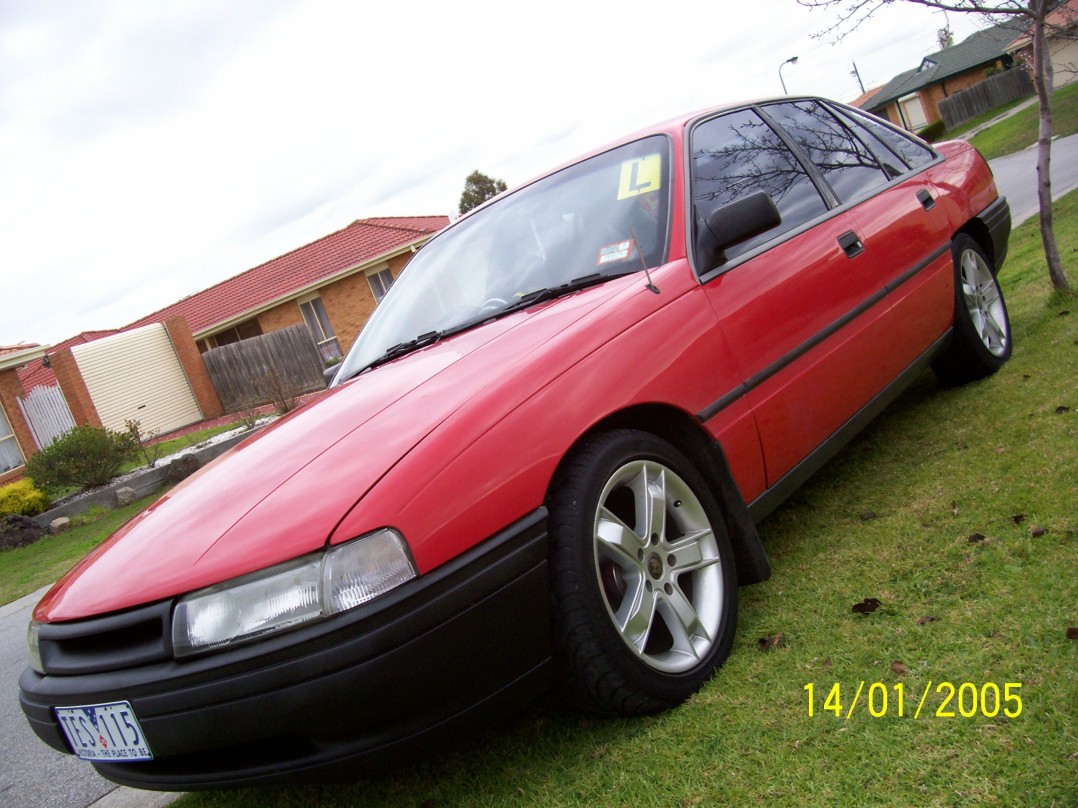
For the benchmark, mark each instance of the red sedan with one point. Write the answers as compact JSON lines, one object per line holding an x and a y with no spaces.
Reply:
{"x":542,"y":461}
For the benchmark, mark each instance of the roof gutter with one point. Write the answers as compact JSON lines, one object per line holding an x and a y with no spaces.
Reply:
{"x":17,"y":359}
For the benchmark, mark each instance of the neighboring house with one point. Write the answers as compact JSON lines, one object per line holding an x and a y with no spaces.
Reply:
{"x":863,"y":101}
{"x":1062,"y":29}
{"x":911,"y":99}
{"x":16,"y":441}
{"x":332,"y":285}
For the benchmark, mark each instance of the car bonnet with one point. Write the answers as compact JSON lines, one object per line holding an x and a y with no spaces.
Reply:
{"x":281,"y":493}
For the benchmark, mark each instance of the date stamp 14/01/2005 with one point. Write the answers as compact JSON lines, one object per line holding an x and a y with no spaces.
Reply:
{"x":965,"y":700}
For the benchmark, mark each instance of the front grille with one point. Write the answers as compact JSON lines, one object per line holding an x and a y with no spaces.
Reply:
{"x":122,"y":640}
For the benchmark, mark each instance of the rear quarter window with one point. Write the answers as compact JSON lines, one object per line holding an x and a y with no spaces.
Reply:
{"x":911,"y":151}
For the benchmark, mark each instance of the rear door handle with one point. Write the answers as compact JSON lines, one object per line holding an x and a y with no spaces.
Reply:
{"x":926,"y":200}
{"x":851,"y":244}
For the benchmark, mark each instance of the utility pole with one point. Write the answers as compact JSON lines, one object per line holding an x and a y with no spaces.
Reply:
{"x":857,"y":75}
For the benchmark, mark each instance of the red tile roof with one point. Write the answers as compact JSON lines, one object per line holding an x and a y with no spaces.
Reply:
{"x":10,"y":349}
{"x":1058,"y":24}
{"x":361,"y":242}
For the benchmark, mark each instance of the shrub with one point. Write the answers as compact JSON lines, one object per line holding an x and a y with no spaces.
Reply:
{"x":22,"y":498}
{"x":85,"y":457}
{"x":933,"y":132}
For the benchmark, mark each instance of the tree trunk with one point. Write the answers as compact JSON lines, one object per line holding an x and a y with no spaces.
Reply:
{"x":1042,"y":82}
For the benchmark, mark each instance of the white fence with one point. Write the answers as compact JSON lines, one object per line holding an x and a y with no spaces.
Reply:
{"x":47,"y":413}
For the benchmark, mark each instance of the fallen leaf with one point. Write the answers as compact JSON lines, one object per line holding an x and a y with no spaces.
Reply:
{"x":954,"y":507}
{"x":866,"y":606}
{"x":973,"y":538}
{"x":1018,"y":518}
{"x":1062,"y":409}
{"x":767,"y":643}
{"x":1072,"y":632}
{"x":827,"y":662}
{"x":1026,"y":376}
{"x":867,"y":516}
{"x":1037,"y":532}
{"x":928,"y":618}
{"x":1064,"y":313}
{"x":899,"y":668}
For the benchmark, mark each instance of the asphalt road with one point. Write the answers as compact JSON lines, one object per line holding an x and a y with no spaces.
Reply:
{"x":1016,"y":176}
{"x":33,"y":775}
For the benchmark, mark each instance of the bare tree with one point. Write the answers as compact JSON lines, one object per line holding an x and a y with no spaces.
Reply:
{"x":1029,"y":16}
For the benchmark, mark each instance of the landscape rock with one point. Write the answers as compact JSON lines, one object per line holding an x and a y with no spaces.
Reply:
{"x":125,"y":496}
{"x":18,"y":531}
{"x":59,"y":525}
{"x":181,"y":468}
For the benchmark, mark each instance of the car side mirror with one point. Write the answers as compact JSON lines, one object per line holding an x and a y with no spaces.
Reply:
{"x":734,"y":223}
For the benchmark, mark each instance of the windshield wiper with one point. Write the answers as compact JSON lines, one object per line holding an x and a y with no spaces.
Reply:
{"x":551,"y":292}
{"x":529,"y":299}
{"x":400,"y":349}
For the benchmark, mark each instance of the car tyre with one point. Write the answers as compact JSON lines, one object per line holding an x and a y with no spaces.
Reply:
{"x":644,"y":587}
{"x":981,"y":339}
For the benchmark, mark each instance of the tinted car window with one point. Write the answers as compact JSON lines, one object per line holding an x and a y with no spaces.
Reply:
{"x":884,"y":154}
{"x":912,"y":152}
{"x":846,"y":164}
{"x":738,"y":154}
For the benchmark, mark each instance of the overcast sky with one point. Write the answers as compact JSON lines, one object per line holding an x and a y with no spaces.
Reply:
{"x":151,"y":149}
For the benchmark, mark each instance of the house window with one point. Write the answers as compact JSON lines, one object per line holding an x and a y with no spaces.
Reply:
{"x":314,"y":314}
{"x":245,"y":330}
{"x":10,"y":453}
{"x":380,"y":283}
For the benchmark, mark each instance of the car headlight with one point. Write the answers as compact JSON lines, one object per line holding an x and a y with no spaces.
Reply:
{"x":298,"y":592}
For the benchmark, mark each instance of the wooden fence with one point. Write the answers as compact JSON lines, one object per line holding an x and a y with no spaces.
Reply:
{"x":1002,"y":88}
{"x":47,"y":414}
{"x":253,"y":371}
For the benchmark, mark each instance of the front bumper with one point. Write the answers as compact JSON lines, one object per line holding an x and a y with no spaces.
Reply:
{"x":445,"y":654}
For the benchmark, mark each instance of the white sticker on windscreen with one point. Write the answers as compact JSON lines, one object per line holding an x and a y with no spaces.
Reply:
{"x":613,"y":253}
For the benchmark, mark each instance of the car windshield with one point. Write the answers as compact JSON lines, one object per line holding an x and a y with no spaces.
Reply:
{"x":605,"y":216}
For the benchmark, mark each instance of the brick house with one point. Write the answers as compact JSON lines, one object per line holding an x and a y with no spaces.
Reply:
{"x":331,"y":285}
{"x":1061,"y":27}
{"x":16,"y":440}
{"x":911,"y":99}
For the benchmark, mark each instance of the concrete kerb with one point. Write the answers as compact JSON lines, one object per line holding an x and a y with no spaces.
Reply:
{"x":142,"y":483}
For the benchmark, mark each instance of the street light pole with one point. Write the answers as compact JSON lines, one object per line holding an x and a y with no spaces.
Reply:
{"x":791,"y":61}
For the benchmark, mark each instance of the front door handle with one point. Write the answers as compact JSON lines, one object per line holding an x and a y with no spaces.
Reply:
{"x":851,"y":244}
{"x":926,"y":200}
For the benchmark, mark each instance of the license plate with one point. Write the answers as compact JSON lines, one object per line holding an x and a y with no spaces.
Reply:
{"x":104,"y":732}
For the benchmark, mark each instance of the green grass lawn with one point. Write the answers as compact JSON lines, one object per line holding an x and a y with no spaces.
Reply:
{"x":1020,"y":130}
{"x":897,"y":516}
{"x":27,"y":569}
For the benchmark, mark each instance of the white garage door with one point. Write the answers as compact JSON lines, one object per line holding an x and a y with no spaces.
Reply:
{"x":136,"y":376}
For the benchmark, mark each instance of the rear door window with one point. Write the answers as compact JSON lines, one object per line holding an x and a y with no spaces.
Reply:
{"x":846,"y":164}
